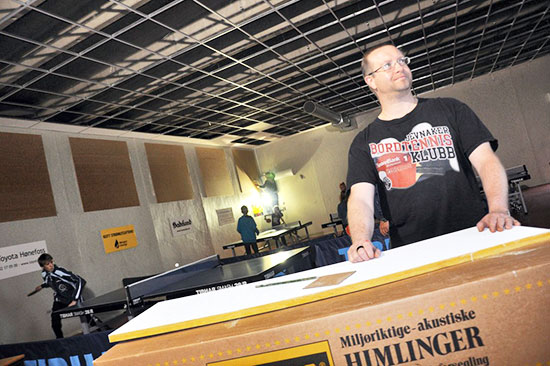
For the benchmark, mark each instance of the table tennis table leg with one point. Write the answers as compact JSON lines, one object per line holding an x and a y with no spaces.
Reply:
{"x":84,"y":324}
{"x":524,"y":206}
{"x":234,"y":253}
{"x":293,"y":237}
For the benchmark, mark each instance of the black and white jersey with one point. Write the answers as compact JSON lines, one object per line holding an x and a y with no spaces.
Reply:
{"x":66,"y":285}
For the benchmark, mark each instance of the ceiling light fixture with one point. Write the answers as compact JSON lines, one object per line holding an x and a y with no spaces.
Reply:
{"x":344,"y":123}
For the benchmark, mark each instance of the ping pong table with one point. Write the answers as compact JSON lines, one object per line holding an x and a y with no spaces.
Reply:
{"x":199,"y":277}
{"x":276,"y":234}
{"x":334,"y":225}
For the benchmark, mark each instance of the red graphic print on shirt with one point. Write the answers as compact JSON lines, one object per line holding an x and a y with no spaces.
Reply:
{"x":425,"y":152}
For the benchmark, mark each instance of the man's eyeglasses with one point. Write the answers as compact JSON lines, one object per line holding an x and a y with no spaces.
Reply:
{"x":389,"y":65}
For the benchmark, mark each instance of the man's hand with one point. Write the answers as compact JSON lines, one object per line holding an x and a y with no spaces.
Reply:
{"x":359,"y":252}
{"x":72,"y":303}
{"x":38,"y":288}
{"x":384,"y":228}
{"x":495,"y":185}
{"x":497,"y":221}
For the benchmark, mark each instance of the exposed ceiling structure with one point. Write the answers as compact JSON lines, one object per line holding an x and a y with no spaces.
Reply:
{"x":239,"y":72}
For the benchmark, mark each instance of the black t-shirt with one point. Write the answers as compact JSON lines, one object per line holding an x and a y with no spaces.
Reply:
{"x":420,"y":163}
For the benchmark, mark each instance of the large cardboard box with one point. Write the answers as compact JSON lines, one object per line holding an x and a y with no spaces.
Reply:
{"x":493,"y":311}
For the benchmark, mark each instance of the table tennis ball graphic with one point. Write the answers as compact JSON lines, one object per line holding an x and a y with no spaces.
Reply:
{"x":398,"y":168}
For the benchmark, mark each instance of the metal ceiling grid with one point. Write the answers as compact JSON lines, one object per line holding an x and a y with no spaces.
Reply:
{"x":240,"y":71}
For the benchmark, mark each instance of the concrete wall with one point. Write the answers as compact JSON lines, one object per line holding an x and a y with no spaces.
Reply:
{"x":73,"y":236}
{"x":513,"y":103}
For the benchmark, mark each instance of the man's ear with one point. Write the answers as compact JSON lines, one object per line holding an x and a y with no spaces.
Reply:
{"x":371,"y":83}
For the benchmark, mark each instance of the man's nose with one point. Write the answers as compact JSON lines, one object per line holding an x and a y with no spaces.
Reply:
{"x":398,"y":67}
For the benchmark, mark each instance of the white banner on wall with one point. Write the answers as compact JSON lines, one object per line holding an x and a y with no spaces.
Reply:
{"x":225,"y":216}
{"x":180,"y":226}
{"x":19,"y":259}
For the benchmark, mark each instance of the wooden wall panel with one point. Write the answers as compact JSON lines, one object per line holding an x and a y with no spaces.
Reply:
{"x":215,"y":175}
{"x":104,"y":174}
{"x":25,"y":187}
{"x":169,"y":172}
{"x":247,"y":168}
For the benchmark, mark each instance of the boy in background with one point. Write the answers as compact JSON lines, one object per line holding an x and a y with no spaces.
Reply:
{"x":66,"y":285}
{"x":277,"y":217}
{"x":246,"y":226}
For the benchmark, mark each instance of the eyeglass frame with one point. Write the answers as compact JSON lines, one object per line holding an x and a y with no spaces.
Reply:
{"x":403,"y":61}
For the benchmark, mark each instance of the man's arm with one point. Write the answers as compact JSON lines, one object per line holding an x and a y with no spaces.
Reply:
{"x":361,"y":223}
{"x":78,"y":293}
{"x":495,"y":185}
{"x":239,"y":226}
{"x":77,"y":281}
{"x":254,"y":226}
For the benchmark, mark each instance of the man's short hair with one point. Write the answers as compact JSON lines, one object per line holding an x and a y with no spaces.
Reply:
{"x":364,"y":63}
{"x":44,"y":259}
{"x":243,"y":208}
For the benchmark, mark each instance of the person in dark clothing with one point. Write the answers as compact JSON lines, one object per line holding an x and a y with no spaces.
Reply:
{"x":342,"y":209}
{"x":343,"y":187}
{"x":246,"y":226}
{"x":277,"y":217}
{"x":270,"y":192}
{"x":421,"y":154}
{"x":66,"y":285}
{"x":382,"y":225}
{"x":380,"y":234}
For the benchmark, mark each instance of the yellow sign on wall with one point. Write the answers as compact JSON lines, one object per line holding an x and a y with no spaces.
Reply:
{"x":119,"y":238}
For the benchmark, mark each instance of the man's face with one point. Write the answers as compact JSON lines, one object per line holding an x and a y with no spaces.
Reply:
{"x":397,"y":79}
{"x":48,"y":267}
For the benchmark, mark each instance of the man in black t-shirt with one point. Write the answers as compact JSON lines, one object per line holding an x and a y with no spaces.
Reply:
{"x":420,"y":153}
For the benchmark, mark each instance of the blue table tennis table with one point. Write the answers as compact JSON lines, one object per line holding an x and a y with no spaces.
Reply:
{"x":202,"y":276}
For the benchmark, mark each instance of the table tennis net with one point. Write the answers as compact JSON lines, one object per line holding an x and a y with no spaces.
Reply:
{"x":138,"y":287}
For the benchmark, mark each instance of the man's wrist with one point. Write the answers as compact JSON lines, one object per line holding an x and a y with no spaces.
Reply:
{"x":506,"y":212}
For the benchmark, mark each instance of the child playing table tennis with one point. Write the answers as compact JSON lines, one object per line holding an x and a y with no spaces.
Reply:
{"x":66,"y":285}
